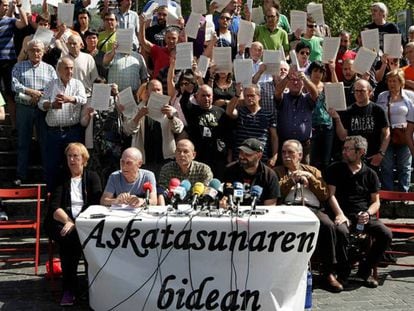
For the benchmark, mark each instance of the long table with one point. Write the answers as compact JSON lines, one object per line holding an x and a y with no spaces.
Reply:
{"x":159,"y":259}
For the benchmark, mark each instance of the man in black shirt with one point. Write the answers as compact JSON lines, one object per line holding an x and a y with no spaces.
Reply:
{"x":250,"y":171}
{"x":355,"y":187}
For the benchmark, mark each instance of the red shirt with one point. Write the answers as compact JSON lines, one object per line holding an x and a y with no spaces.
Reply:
{"x":160,"y":57}
{"x":340,"y":58}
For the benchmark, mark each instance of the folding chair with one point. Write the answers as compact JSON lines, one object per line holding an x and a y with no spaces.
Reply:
{"x":17,"y":195}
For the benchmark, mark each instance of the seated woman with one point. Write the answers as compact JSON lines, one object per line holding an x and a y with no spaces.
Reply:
{"x":76,"y":190}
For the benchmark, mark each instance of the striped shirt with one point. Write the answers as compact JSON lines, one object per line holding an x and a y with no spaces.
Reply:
{"x":70,"y":113}
{"x":7,"y":27}
{"x":26,"y":75}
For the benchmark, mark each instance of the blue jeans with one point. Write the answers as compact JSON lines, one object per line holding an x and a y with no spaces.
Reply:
{"x":398,"y":157}
{"x":321,"y":146}
{"x":57,"y":141}
{"x":26,"y":117}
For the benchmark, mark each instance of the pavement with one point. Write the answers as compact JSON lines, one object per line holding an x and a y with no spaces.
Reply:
{"x":21,"y":290}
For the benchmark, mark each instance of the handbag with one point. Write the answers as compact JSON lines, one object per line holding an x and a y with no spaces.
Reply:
{"x":398,"y":133}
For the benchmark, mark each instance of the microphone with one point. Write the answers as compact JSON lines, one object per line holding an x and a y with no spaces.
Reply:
{"x":216,"y":184}
{"x":185,"y":183}
{"x":198,"y":190}
{"x":147,"y":186}
{"x":228,"y":192}
{"x":238,"y":193}
{"x":255,"y":192}
{"x":178,"y":195}
{"x":174,"y":183}
{"x":209,"y":195}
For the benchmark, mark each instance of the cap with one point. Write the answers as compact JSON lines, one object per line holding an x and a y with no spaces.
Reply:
{"x":251,"y":145}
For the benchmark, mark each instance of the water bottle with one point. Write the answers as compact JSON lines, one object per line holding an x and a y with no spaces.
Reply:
{"x":359,"y":226}
{"x":308,"y":298}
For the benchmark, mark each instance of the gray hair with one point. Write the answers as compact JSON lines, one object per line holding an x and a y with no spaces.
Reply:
{"x":34,"y":42}
{"x":359,"y":142}
{"x":299,"y":147}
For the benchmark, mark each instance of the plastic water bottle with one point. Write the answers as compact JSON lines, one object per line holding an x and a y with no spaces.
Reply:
{"x":308,"y":298}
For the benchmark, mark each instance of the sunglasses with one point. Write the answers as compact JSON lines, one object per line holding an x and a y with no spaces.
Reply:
{"x":225,"y":17}
{"x":304,"y":53}
{"x":311,"y":26}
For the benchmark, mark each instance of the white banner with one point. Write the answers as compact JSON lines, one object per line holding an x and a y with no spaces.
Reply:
{"x":157,"y":260}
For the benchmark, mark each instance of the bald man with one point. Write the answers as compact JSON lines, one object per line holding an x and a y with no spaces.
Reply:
{"x":126,"y":186}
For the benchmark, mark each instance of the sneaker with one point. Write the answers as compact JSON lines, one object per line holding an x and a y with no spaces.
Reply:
{"x":3,"y":216}
{"x":370,"y":282}
{"x":67,"y":299}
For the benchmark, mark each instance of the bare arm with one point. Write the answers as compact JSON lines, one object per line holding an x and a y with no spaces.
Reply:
{"x":339,"y":127}
{"x":145,"y":44}
{"x":22,"y":22}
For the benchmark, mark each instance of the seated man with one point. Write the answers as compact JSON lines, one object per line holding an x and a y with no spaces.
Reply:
{"x":184,"y":167}
{"x":126,"y":186}
{"x":250,"y":171}
{"x":314,"y":192}
{"x":355,"y":186}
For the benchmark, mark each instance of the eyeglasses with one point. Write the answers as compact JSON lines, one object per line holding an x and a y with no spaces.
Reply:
{"x":311,"y":26}
{"x":304,"y":53}
{"x":225,"y":17}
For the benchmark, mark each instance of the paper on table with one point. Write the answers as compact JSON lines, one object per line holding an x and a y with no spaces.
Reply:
{"x":184,"y":56}
{"x":43,"y":34}
{"x":210,"y":28}
{"x":257,"y":15}
{"x":192,"y":25}
{"x":199,"y":6}
{"x":65,"y":13}
{"x":370,"y":39}
{"x":316,"y":11}
{"x":330,"y":48}
{"x":127,"y":100}
{"x":155,"y":103}
{"x":203,"y":63}
{"x":335,"y":96}
{"x":246,"y":33}
{"x":298,"y":20}
{"x":221,"y":4}
{"x":124,"y":37}
{"x":363,"y":60}
{"x":54,"y":3}
{"x":392,"y":45}
{"x":243,"y":71}
{"x":272,"y":60}
{"x":222,"y":59}
{"x":101,"y":95}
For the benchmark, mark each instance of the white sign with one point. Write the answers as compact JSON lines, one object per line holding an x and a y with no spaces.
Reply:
{"x":243,"y":71}
{"x":222,"y":59}
{"x":124,"y":37}
{"x":101,"y":96}
{"x":298,"y":20}
{"x":173,"y":262}
{"x":184,"y":56}
{"x":370,"y":39}
{"x":335,"y":96}
{"x":65,"y":13}
{"x":363,"y":60}
{"x":246,"y":33}
{"x":330,"y":49}
{"x":392,"y":45}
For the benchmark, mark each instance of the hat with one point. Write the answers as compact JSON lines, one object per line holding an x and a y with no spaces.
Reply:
{"x":251,"y":145}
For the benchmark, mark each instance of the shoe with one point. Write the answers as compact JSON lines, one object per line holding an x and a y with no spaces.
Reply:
{"x":17,"y":182}
{"x":67,"y":299}
{"x":370,"y":282}
{"x":3,"y":216}
{"x":333,"y":284}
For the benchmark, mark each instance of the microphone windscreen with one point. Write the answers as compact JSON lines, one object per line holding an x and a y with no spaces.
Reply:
{"x":180,"y":192}
{"x":198,"y":188}
{"x":238,"y":185}
{"x":174,"y":183}
{"x":147,"y":186}
{"x":256,"y":191}
{"x":186,"y":185}
{"x":216,"y":184}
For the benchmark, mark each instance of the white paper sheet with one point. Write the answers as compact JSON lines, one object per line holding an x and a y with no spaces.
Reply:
{"x":364,"y":60}
{"x":330,"y":48}
{"x":192,"y":25}
{"x":246,"y":33}
{"x":203,"y":63}
{"x":335,"y":96}
{"x":155,"y":103}
{"x":54,"y":3}
{"x":65,"y":13}
{"x":316,"y":11}
{"x":199,"y":6}
{"x":257,"y":15}
{"x":221,"y":4}
{"x":127,"y":100}
{"x":222,"y":59}
{"x":124,"y":37}
{"x":101,"y":95}
{"x":392,"y":45}
{"x":370,"y":39}
{"x":243,"y":71}
{"x":210,"y":28}
{"x":272,"y":60}
{"x":184,"y":56}
{"x":43,"y":34}
{"x":297,"y":20}
{"x":293,"y":59}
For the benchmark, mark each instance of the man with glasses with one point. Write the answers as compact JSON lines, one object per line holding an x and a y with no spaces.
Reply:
{"x":270,"y":35}
{"x":355,"y":186}
{"x":367,"y":119}
{"x":107,"y":37}
{"x":315,"y":42}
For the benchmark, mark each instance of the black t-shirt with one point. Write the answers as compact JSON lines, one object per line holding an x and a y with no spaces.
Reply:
{"x":264,"y":177}
{"x":353,"y":191}
{"x":367,"y":121}
{"x":156,"y":34}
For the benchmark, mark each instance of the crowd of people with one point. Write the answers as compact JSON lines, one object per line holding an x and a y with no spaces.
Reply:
{"x":275,"y":132}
